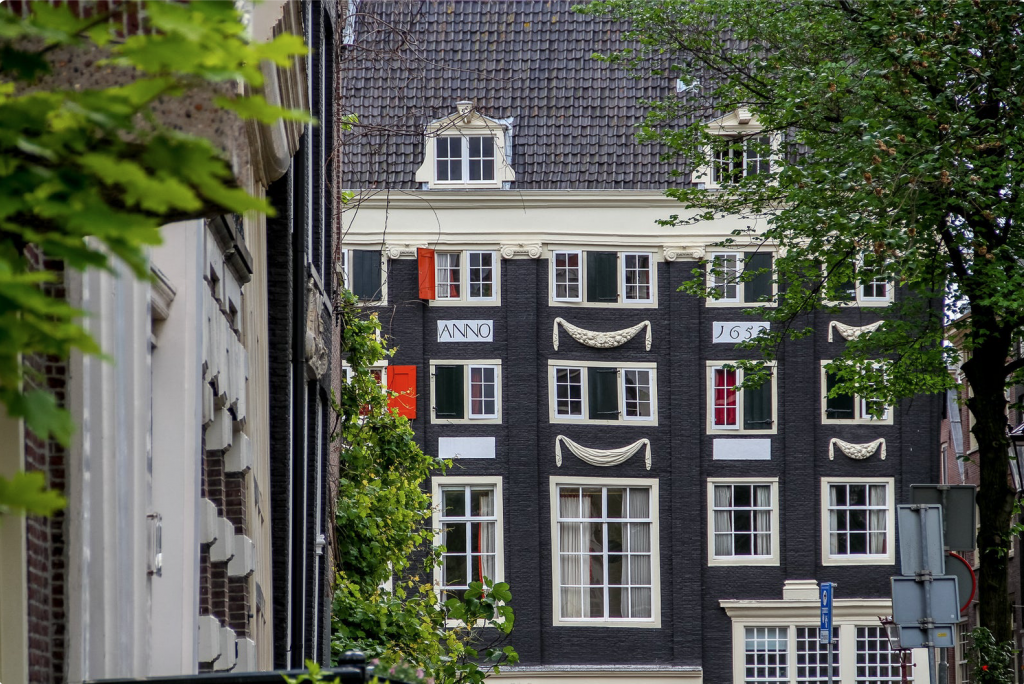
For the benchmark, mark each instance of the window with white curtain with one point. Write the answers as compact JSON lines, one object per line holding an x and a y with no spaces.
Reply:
{"x":605,"y":552}
{"x":466,"y":277}
{"x":743,"y":520}
{"x":468,"y":520}
{"x":859,"y":516}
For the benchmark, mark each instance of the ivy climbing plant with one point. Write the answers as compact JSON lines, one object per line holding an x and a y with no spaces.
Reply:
{"x":385,"y":602}
{"x":88,"y":176}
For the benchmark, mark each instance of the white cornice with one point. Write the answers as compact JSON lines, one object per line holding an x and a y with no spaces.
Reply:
{"x":510,"y":199}
{"x":845,"y":610}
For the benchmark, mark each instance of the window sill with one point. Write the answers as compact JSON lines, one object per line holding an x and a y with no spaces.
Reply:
{"x":725,"y":432}
{"x":724,"y":304}
{"x":858,"y":560}
{"x":465,"y":421}
{"x":743,"y":561}
{"x":607,"y":305}
{"x":641,"y":422}
{"x":855,"y":421}
{"x":464,"y":302}
{"x":646,"y":623}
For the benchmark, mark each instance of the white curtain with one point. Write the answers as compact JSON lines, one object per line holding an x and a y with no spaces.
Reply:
{"x":484,"y":535}
{"x":639,"y":547}
{"x":876,"y":535}
{"x":833,"y":521}
{"x":571,"y":557}
{"x":763,"y":520}
{"x":723,"y":521}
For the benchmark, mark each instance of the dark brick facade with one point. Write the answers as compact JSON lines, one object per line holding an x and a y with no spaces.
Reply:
{"x":695,"y":629}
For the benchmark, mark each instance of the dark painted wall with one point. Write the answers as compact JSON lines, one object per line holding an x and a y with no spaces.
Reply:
{"x":695,"y":630}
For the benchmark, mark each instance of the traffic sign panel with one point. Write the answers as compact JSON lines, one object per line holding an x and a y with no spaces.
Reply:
{"x":825,"y":631}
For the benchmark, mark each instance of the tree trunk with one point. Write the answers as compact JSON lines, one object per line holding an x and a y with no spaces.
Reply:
{"x":985,"y":372}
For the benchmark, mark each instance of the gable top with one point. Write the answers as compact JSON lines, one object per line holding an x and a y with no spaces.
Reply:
{"x":739,"y":120}
{"x":464,"y":117}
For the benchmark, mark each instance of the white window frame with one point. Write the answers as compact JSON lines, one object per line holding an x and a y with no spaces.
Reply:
{"x":861,"y":415}
{"x":465,"y":123}
{"x":464,"y":158}
{"x":739,"y":299}
{"x":709,"y":404}
{"x":773,"y":557}
{"x":858,"y":297}
{"x":437,"y":483}
{"x":467,"y":365}
{"x":887,"y":558}
{"x":553,"y":417}
{"x":725,"y":159}
{"x":581,"y":284}
{"x":496,"y":370}
{"x":581,"y":301}
{"x":464,"y":298}
{"x":652,"y":273}
{"x":654,"y":622}
{"x":343,"y":270}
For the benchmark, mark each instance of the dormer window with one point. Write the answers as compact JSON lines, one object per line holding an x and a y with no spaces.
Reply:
{"x":742,"y":150}
{"x":467,"y":150}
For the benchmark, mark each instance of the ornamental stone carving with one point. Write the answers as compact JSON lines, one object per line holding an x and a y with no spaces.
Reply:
{"x":602,"y":457}
{"x":601,"y":340}
{"x":683,"y":253}
{"x":403,"y":252}
{"x":858,"y":452}
{"x":521,"y":251}
{"x":852,"y":332}
{"x":316,"y":350}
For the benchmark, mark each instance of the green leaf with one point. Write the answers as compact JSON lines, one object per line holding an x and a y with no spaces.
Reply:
{"x":27,"y":493}
{"x":256,"y":107}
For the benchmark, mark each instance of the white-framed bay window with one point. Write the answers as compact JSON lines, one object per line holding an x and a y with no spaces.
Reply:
{"x":604,"y":551}
{"x":467,"y":277}
{"x":469,"y":523}
{"x":603,"y":393}
{"x":776,"y":641}
{"x":603,"y":278}
{"x":743,"y":521}
{"x":858,"y":521}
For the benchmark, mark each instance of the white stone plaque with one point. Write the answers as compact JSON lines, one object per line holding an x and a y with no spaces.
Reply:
{"x":731,"y":332}
{"x":465,"y":447}
{"x":742,"y":449}
{"x":465,"y":331}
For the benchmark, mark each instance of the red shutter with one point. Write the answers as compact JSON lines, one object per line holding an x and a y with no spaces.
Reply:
{"x":425,"y":258}
{"x":402,"y":381}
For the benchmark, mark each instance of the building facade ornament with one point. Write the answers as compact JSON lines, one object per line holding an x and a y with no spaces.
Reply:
{"x":601,"y":340}
{"x":856,"y":451}
{"x":683,"y":253}
{"x":316,"y":351}
{"x":521,"y":251}
{"x":602,"y":457}
{"x":852,"y":332}
{"x":400,"y":251}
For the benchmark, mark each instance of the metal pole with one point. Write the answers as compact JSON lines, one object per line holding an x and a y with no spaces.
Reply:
{"x":830,"y":657}
{"x":928,"y":622}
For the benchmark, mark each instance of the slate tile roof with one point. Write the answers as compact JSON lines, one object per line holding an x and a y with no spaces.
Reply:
{"x":527,"y":59}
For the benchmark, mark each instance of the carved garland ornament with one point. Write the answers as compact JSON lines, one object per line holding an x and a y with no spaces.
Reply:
{"x":316,"y":350}
{"x":601,"y":340}
{"x":602,"y":457}
{"x":852,"y":332}
{"x":856,"y":451}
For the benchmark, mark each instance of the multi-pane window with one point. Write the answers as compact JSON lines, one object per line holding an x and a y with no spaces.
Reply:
{"x":483,"y":392}
{"x":858,"y":518}
{"x":757,"y":156}
{"x":466,"y":391}
{"x":468,"y":532}
{"x":605,"y":277}
{"x":728,"y":283}
{"x":868,"y":284}
{"x":731,"y":408}
{"x":850,"y":407}
{"x":481,"y":275}
{"x":362,"y":271}
{"x":604,"y":393}
{"x":766,"y":655}
{"x":750,"y":157}
{"x":605,"y":565}
{"x":811,"y":663}
{"x":567,"y":276}
{"x":637,"y":273}
{"x":465,"y":276}
{"x":464,"y":158}
{"x":448,"y":153}
{"x":742,"y":514}
{"x":876,"y":663}
{"x":449,"y":275}
{"x":636,"y":385}
{"x":569,"y":392}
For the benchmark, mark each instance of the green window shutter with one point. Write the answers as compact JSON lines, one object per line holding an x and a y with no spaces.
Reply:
{"x":839,"y":407}
{"x":757,"y":407}
{"x":760,"y":287}
{"x":449,"y":392}
{"x":604,"y":393}
{"x":366,"y":274}
{"x":602,"y":277}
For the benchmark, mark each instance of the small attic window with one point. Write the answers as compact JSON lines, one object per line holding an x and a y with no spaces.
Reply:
{"x":743,"y":151}
{"x":467,"y":150}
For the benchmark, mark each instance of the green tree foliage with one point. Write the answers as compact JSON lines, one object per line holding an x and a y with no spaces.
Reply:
{"x":899,"y":127}
{"x":383,"y":532}
{"x":89,"y":175}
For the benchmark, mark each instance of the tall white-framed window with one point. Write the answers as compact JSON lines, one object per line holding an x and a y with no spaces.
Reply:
{"x":849,"y":408}
{"x":731,"y":409}
{"x":567,"y":276}
{"x":725,"y":275}
{"x":725,"y":271}
{"x":602,"y":278}
{"x":605,"y":552}
{"x":743,"y":521}
{"x":448,"y":154}
{"x":876,"y":663}
{"x":857,"y":528}
{"x":868,"y":286}
{"x":464,"y":159}
{"x":364,"y":272}
{"x":465,"y":391}
{"x":469,"y":523}
{"x":602,"y":393}
{"x":466,"y":277}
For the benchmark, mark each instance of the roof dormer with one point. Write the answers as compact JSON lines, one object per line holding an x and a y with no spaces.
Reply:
{"x":467,"y":150}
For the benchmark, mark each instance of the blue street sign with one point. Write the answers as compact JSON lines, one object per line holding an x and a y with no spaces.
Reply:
{"x":825,"y":634}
